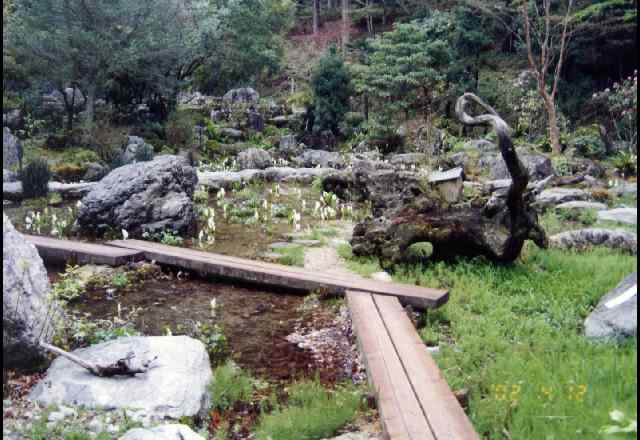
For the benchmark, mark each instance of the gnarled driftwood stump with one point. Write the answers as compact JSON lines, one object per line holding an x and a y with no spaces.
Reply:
{"x":495,"y":228}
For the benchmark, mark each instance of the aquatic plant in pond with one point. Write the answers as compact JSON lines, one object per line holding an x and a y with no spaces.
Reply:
{"x":58,"y":223}
{"x":207,"y":234}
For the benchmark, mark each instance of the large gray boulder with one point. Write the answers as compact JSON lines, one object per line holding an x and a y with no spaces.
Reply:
{"x":539,"y":165}
{"x":556,"y":196}
{"x":255,"y":159}
{"x":620,"y":215}
{"x":175,"y":386}
{"x":319,"y":158}
{"x":143,"y":197}
{"x":28,"y":311}
{"x":165,"y":432}
{"x":245,"y":95}
{"x":11,"y":149}
{"x":616,"y":316}
{"x":587,"y":238}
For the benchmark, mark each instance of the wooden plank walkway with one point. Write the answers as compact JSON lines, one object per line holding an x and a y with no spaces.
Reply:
{"x":414,"y":400}
{"x":280,"y":276}
{"x":56,"y":251}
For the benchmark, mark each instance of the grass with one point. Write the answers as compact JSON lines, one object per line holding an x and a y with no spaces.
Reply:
{"x":230,"y":385}
{"x":291,"y":256}
{"x":512,"y":335}
{"x":363,"y":266}
{"x":313,"y":413}
{"x":556,"y":222}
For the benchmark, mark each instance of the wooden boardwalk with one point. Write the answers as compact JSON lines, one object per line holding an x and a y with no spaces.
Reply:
{"x":275,"y":275}
{"x":63,"y":251}
{"x":414,"y":400}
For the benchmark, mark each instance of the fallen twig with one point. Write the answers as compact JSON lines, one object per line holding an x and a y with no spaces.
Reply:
{"x":121,"y":367}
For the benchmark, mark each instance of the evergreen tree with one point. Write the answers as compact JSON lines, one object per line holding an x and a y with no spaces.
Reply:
{"x":332,"y":89}
{"x":407,"y":65}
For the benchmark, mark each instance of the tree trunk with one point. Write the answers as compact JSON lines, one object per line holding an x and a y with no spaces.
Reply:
{"x":346,"y":24}
{"x":316,"y":17}
{"x":91,"y":104}
{"x":366,"y":106}
{"x":554,"y":131}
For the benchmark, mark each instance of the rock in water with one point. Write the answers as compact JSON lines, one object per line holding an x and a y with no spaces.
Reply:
{"x":255,"y":159}
{"x":143,"y":197}
{"x":11,"y":149}
{"x":28,"y":314}
{"x":176,"y":386}
{"x":165,"y":432}
{"x":616,"y":316}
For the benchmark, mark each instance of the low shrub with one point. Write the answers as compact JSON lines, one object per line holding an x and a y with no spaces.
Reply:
{"x":626,"y":163}
{"x":588,"y":143}
{"x":230,"y":385}
{"x":35,"y":179}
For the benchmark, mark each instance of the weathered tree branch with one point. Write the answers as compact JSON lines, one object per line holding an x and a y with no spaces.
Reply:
{"x":121,"y":367}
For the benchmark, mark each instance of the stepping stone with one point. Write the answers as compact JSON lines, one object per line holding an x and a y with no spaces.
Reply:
{"x":621,"y":215}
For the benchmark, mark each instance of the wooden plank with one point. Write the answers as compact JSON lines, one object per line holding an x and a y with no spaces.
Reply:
{"x":400,"y":412}
{"x":56,"y":251}
{"x":446,"y":417}
{"x":280,"y":276}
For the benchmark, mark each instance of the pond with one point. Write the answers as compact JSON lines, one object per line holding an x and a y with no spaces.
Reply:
{"x":254,"y":323}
